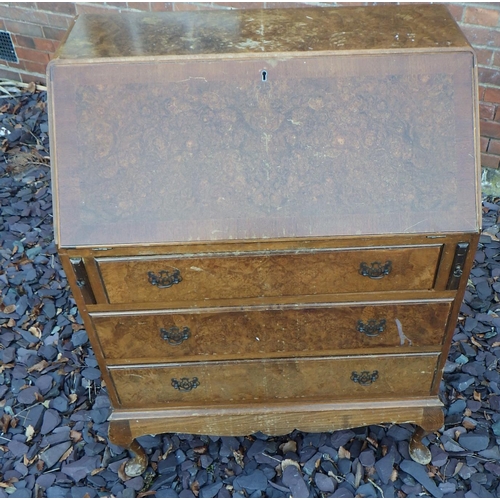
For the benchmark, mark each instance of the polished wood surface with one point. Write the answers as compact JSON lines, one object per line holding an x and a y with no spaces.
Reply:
{"x":269,"y":274}
{"x":273,"y":380}
{"x":263,"y":332}
{"x":262,"y":31}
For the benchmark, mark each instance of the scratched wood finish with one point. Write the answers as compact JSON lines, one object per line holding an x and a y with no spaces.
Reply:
{"x":239,"y":141}
{"x":274,"y":380}
{"x":286,"y":330}
{"x":269,"y":275}
{"x":280,"y":30}
{"x":276,"y":420}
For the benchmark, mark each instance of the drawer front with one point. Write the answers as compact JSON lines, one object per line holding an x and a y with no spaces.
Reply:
{"x":225,"y":276}
{"x":330,"y":379}
{"x":297,"y":330}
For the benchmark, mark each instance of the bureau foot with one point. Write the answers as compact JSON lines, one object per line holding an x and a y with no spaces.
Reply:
{"x":136,"y":465}
{"x":418,"y":451}
{"x":432,"y":421}
{"x":120,"y":434}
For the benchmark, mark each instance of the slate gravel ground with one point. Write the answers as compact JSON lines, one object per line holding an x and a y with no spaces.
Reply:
{"x":53,"y":407}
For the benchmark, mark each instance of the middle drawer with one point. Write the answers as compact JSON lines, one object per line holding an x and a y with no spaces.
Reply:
{"x":262,"y":331}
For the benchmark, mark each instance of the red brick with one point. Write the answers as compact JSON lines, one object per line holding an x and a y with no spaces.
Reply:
{"x":34,"y":67}
{"x":23,"y":28}
{"x":490,"y":129}
{"x":24,"y":15}
{"x":491,"y":95}
{"x":23,"y":41}
{"x":61,"y":7}
{"x":496,"y":59}
{"x":481,"y":16}
{"x":478,"y":35}
{"x":484,"y":56}
{"x":482,"y":89}
{"x":162,"y":6}
{"x":2,"y":25}
{"x":490,"y":161}
{"x":484,"y":141}
{"x":53,"y":33}
{"x":60,"y":20}
{"x":19,"y":65}
{"x":44,"y":44}
{"x":120,"y":5}
{"x":487,"y":111}
{"x":139,"y":5}
{"x":489,"y":76}
{"x":32,"y":55}
{"x":457,"y":11}
{"x":493,"y":147}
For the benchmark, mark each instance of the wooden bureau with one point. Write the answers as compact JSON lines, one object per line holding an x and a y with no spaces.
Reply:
{"x":267,"y":217}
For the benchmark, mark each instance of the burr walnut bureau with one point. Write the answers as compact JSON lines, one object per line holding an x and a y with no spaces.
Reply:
{"x":267,"y":217}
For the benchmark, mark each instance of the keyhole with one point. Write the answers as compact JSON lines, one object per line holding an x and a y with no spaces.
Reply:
{"x":264,"y":75}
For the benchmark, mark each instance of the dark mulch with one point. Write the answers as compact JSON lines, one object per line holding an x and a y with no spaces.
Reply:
{"x":53,"y":409}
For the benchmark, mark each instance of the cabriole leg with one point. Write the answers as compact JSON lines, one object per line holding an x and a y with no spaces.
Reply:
{"x":119,"y":434}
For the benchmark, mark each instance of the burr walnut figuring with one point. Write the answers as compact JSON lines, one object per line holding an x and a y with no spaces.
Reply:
{"x":267,"y":217}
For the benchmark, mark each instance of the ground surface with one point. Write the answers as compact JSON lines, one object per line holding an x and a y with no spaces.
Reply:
{"x":53,"y":410}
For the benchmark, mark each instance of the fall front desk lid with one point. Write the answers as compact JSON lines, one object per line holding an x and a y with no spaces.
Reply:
{"x":175,"y":149}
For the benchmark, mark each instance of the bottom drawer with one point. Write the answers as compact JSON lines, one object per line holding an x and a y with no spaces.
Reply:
{"x":328,"y":379}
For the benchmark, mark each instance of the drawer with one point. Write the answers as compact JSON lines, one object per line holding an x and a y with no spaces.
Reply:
{"x":291,"y":329}
{"x":327,"y":378}
{"x":268,"y":274}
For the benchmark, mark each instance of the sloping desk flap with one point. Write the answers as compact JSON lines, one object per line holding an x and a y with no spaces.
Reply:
{"x":173,"y":150}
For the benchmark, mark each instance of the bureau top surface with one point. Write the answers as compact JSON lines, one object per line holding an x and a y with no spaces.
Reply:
{"x":262,"y":31}
{"x":206,"y":148}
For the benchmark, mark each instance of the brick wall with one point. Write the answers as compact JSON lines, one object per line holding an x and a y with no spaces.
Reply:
{"x":38,"y":27}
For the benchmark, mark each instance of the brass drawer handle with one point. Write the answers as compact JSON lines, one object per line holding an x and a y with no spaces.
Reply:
{"x":165,"y":279}
{"x":375,"y":270}
{"x":185,"y":384}
{"x":372,"y":328}
{"x":364,"y":378}
{"x":175,"y":335}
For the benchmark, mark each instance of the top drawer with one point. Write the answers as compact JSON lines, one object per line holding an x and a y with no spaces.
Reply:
{"x":268,"y":274}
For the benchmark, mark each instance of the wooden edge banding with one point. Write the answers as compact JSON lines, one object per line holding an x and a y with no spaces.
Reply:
{"x":344,"y":299}
{"x":340,"y":242}
{"x":96,"y":281}
{"x":337,"y":353}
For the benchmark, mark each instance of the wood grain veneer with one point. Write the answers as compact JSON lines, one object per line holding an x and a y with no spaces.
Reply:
{"x":239,"y":195}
